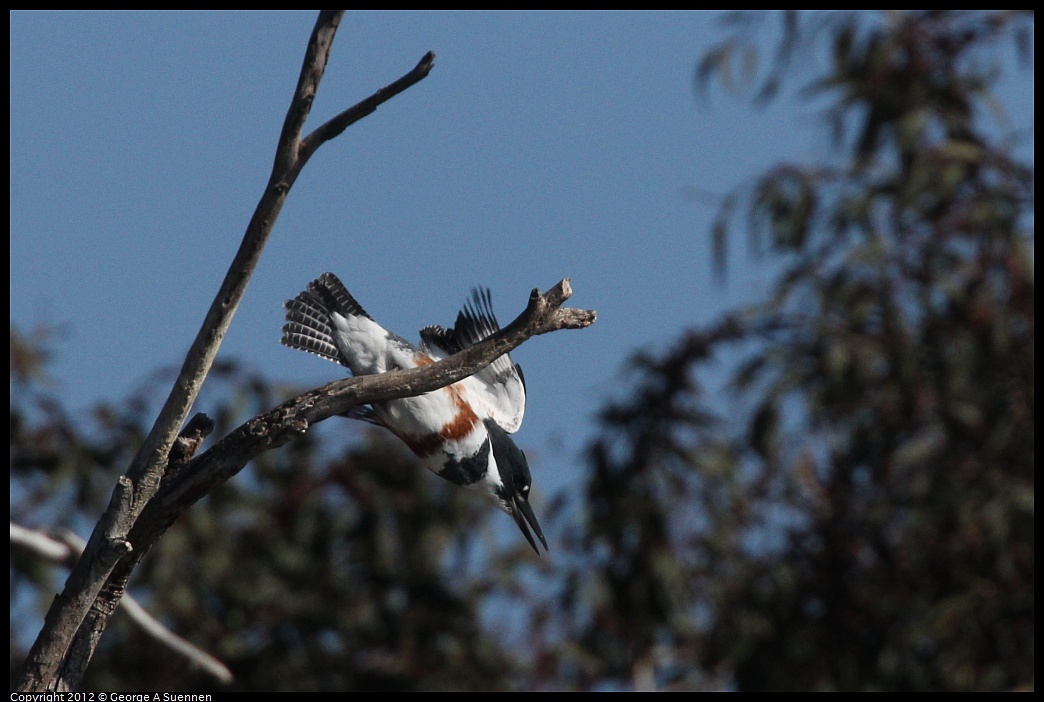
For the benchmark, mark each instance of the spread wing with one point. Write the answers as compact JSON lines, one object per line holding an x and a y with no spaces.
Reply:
{"x":500,"y":387}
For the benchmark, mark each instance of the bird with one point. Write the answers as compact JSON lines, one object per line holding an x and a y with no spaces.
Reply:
{"x":460,"y":432}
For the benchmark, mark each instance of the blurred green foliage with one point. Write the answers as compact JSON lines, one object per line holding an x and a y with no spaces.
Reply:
{"x":860,"y":514}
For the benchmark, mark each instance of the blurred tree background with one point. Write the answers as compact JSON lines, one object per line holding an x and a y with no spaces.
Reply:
{"x":851,"y":509}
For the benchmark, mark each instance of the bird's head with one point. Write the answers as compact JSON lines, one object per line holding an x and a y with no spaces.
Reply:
{"x":511,"y":493}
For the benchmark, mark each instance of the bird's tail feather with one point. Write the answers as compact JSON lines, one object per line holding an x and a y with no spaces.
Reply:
{"x":332,"y":294}
{"x":308,"y":326}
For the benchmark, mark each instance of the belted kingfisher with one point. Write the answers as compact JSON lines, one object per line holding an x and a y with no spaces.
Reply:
{"x":461,"y":431}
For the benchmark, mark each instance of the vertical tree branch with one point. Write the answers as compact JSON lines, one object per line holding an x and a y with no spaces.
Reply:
{"x":92,"y":592}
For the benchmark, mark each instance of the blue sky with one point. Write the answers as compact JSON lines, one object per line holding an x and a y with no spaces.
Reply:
{"x":542,"y":145}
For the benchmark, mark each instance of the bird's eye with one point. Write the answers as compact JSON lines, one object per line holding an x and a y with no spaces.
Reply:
{"x":525,"y":489}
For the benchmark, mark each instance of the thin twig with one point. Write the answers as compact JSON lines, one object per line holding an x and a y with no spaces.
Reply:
{"x":333,"y":127}
{"x":66,"y":550}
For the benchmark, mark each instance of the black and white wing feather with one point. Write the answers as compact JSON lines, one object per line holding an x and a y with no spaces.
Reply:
{"x":500,"y":386}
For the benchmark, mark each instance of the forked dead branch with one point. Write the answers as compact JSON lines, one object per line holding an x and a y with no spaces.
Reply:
{"x":165,"y":478}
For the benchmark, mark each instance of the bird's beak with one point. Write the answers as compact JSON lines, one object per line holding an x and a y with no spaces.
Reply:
{"x":524,"y":517}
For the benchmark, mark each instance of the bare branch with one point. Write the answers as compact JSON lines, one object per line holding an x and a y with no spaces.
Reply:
{"x":65,"y":549}
{"x":316,"y":56}
{"x":56,"y":660}
{"x":295,"y":416}
{"x":333,"y":128}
